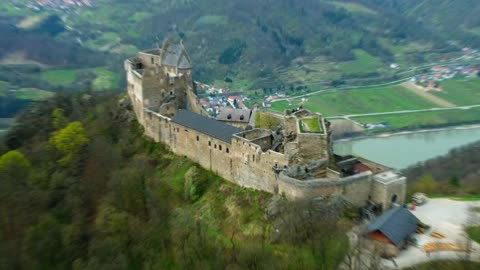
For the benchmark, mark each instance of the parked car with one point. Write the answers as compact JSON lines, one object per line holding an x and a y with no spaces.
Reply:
{"x":419,"y":198}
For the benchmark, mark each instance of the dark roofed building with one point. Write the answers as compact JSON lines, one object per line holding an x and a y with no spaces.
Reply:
{"x":394,"y":226}
{"x":205,"y":125}
{"x":239,"y":116}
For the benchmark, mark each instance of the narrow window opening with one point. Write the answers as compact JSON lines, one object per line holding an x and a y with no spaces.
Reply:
{"x":228,"y":150}
{"x":198,"y":138}
{"x":209,"y":143}
{"x":220,"y":147}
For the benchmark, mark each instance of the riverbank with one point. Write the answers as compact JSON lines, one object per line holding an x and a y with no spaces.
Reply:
{"x":400,"y":150}
{"x":362,"y":135}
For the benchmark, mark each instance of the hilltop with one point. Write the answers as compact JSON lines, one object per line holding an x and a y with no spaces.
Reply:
{"x":83,"y":189}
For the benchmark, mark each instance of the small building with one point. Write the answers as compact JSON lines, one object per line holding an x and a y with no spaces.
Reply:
{"x":393,"y":227}
{"x":235,"y":117}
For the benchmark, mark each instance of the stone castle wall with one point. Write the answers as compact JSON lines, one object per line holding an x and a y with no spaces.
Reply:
{"x":354,"y":189}
{"x":157,"y":93}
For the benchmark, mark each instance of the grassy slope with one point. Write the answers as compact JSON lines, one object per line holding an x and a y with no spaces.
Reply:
{"x":364,"y":64}
{"x":370,"y":100}
{"x":229,"y":219}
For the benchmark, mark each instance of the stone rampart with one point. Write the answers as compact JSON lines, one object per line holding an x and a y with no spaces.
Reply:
{"x":354,"y":189}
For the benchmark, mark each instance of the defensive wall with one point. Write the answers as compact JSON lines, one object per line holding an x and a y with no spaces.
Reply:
{"x":295,"y":162}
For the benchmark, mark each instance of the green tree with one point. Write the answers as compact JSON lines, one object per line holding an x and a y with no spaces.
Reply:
{"x":59,"y":119}
{"x":14,"y":163}
{"x":427,"y":184}
{"x":70,"y":141}
{"x":43,"y":243}
{"x":455,"y":182}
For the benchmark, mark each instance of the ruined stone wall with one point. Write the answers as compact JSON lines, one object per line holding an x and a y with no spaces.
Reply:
{"x":210,"y":153}
{"x":149,"y":60}
{"x":193,"y":104}
{"x":354,"y":189}
{"x":253,"y":168}
{"x":135,"y":90}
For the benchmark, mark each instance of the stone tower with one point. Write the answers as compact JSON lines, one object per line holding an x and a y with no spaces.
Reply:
{"x":160,"y":80}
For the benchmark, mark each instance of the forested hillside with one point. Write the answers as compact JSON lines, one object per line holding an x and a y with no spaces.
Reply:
{"x":81,"y":188}
{"x":456,"y":172}
{"x":266,"y":42}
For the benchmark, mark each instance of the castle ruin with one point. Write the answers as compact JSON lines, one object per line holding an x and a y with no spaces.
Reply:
{"x":295,"y":160}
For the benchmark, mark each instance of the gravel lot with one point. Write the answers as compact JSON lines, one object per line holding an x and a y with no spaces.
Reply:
{"x":445,"y":216}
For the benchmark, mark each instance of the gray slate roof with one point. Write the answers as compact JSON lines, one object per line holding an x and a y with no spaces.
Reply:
{"x":396,"y":224}
{"x":175,"y":57}
{"x":205,"y":125}
{"x":234,"y":115}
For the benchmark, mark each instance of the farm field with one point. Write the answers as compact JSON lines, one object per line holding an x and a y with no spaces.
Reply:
{"x":461,"y":91}
{"x":32,"y":94}
{"x":104,"y":78}
{"x":422,"y":120}
{"x":59,"y":77}
{"x":368,"y":100}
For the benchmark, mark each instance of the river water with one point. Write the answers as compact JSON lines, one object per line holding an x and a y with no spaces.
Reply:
{"x":402,"y":150}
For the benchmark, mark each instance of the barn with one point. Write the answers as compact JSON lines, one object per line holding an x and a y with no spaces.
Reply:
{"x":393,"y":227}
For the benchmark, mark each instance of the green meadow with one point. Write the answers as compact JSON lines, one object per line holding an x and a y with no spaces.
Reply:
{"x":359,"y":101}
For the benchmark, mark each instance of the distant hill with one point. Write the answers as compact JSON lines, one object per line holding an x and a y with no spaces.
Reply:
{"x":461,"y":163}
{"x":262,"y":43}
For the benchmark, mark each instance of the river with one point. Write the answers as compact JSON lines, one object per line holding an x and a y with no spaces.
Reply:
{"x":402,"y":150}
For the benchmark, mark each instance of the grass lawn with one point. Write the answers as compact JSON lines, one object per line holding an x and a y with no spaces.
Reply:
{"x":364,"y":64}
{"x":312,"y":124}
{"x":423,"y":120}
{"x":461,"y":91}
{"x":474,"y":233}
{"x":266,"y":120}
{"x":445,"y":265}
{"x":368,"y":100}
{"x":59,"y":77}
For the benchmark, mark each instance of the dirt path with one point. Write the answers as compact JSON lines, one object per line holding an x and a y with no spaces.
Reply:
{"x":419,"y":91}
